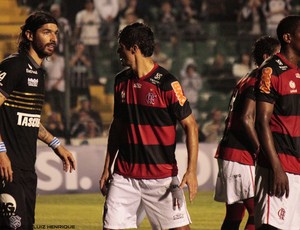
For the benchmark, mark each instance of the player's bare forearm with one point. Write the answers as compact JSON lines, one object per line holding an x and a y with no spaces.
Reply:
{"x":280,"y":180}
{"x":248,"y":122}
{"x":190,"y":178}
{"x":44,"y":135}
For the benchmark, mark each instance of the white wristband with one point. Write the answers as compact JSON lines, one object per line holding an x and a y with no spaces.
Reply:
{"x":54,"y":143}
{"x":2,"y":147}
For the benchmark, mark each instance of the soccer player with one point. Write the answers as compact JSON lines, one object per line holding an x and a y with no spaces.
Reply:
{"x":148,"y":103}
{"x":278,"y":130}
{"x":21,"y":100}
{"x":237,"y":150}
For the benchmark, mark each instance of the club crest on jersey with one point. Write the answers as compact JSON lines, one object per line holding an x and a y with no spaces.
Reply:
{"x":32,"y":82}
{"x":30,"y":70}
{"x":265,"y":82}
{"x":150,"y":98}
{"x":178,"y":92}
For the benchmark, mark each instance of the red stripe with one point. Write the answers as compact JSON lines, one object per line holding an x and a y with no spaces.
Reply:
{"x":150,"y":171}
{"x":236,"y":155}
{"x":152,"y":135}
{"x":290,"y":163}
{"x":289,"y":123}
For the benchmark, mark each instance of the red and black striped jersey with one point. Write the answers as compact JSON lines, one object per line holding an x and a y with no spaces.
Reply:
{"x":148,"y":108}
{"x":279,"y":81}
{"x":22,"y":83}
{"x":235,"y":145}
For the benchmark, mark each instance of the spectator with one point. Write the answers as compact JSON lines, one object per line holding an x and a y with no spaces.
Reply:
{"x":213,"y":128}
{"x":215,"y":10}
{"x":87,"y":30}
{"x":65,"y":30}
{"x":108,"y":11}
{"x":251,"y":19}
{"x":166,"y":27}
{"x":242,"y":66}
{"x":55,"y":125}
{"x":188,"y":20}
{"x":161,"y":58}
{"x":79,"y":76}
{"x":274,"y":11}
{"x":218,"y":73}
{"x":55,"y":81}
{"x":129,"y":15}
{"x":85,"y":105}
{"x":85,"y":127}
{"x":191,"y":83}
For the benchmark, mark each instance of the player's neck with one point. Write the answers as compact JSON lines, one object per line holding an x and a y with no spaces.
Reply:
{"x":35,"y":57}
{"x":144,"y":66}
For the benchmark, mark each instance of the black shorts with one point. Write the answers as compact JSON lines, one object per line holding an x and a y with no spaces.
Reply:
{"x":17,"y":201}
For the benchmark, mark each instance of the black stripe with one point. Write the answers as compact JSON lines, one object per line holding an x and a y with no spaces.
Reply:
{"x":286,"y":144}
{"x":147,"y":154}
{"x":146,"y":115}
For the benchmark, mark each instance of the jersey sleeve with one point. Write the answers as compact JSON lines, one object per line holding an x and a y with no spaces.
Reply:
{"x":178,"y":103}
{"x":9,"y":76}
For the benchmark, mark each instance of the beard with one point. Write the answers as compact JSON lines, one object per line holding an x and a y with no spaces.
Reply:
{"x":43,"y":50}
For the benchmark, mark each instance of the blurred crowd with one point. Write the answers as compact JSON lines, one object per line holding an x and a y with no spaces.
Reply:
{"x":89,"y":24}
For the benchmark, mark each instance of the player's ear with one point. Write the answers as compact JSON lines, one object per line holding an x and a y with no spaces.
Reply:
{"x":29,"y":35}
{"x":134,"y":49}
{"x":287,"y":37}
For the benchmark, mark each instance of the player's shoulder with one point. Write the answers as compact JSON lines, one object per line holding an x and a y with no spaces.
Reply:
{"x":276,"y":65}
{"x":162,"y":78}
{"x":123,"y":74}
{"x":13,"y":61}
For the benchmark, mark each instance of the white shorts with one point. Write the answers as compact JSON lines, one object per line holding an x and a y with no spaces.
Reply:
{"x":282,"y":213}
{"x":128,"y":201}
{"x":235,"y":182}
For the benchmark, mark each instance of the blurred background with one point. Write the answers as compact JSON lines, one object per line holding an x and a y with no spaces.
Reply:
{"x":205,"y":44}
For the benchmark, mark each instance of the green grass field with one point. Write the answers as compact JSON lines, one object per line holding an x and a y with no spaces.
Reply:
{"x":84,"y":212}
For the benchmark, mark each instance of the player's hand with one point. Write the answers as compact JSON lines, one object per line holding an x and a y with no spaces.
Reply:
{"x":280,"y":184}
{"x":177,"y":193}
{"x":190,"y":178}
{"x":104,"y":183}
{"x":67,"y":158}
{"x":5,"y":167}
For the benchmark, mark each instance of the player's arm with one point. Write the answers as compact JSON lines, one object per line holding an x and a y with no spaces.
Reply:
{"x":66,"y":156}
{"x":5,"y":164}
{"x":111,"y":152}
{"x":280,"y":181}
{"x":190,"y":177}
{"x":248,"y":121}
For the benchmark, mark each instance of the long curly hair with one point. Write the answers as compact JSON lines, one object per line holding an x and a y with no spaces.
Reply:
{"x":35,"y":21}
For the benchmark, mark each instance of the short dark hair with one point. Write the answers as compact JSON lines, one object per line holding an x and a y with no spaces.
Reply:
{"x":35,"y":21}
{"x":264,"y":45}
{"x":138,"y":34}
{"x":289,"y":25}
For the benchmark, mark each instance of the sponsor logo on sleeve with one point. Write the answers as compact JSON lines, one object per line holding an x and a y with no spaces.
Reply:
{"x":178,"y":92}
{"x":265,"y":82}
